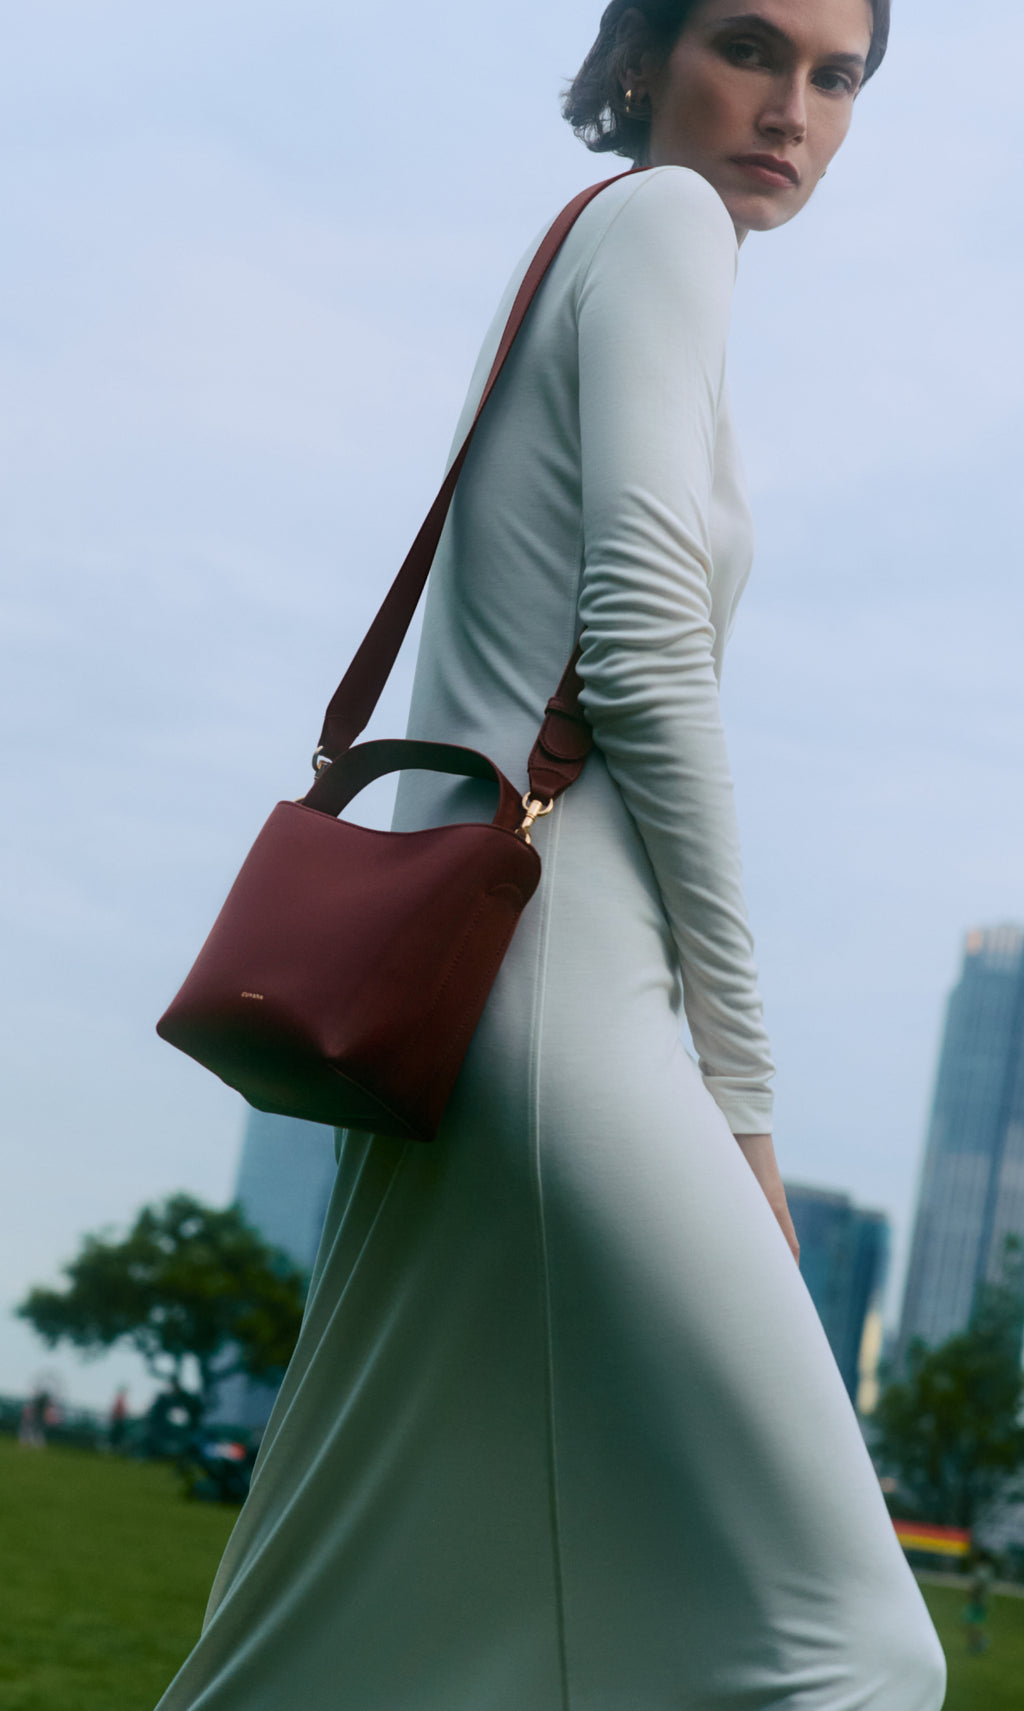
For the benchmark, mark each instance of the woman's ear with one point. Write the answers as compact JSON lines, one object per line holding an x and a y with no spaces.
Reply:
{"x":631,"y":25}
{"x":631,"y":38}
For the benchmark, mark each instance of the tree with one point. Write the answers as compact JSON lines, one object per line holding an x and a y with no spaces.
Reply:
{"x":187,"y":1282}
{"x":950,"y":1431}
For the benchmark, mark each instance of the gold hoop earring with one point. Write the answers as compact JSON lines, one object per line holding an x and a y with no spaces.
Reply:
{"x":631,"y":109}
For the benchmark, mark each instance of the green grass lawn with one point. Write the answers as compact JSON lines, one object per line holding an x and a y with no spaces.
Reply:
{"x":105,"y":1571}
{"x":995,"y":1680}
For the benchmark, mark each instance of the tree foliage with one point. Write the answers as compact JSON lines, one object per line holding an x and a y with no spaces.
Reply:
{"x":187,"y":1282}
{"x":950,"y":1430}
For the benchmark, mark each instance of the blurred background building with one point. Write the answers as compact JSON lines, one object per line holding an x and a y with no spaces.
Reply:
{"x":844,"y":1260}
{"x":285,"y":1176}
{"x":972,"y":1184}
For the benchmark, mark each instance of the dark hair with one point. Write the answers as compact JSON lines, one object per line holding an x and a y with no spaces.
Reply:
{"x":595,"y":103}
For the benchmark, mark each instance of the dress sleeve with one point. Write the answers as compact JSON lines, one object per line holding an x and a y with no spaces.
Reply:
{"x":653,"y":312}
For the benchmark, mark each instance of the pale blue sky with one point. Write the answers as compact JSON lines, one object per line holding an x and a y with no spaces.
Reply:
{"x":250,"y":252}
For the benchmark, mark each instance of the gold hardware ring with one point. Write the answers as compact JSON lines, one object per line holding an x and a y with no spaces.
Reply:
{"x":535,"y":810}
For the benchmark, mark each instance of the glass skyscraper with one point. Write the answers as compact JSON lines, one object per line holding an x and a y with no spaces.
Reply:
{"x":285,"y":1176}
{"x":844,"y":1260}
{"x":972,"y":1184}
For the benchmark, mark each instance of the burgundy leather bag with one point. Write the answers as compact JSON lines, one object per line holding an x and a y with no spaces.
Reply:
{"x":344,"y":976}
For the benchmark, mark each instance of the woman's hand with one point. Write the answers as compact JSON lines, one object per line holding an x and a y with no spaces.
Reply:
{"x":759,"y":1152}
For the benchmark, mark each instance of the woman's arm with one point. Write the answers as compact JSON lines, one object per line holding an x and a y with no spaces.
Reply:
{"x":653,"y":316}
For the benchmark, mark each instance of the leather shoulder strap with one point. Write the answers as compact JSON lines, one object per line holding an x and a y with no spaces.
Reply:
{"x":357,"y":695}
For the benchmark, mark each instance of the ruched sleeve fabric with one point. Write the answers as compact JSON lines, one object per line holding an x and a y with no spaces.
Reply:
{"x":653,"y":317}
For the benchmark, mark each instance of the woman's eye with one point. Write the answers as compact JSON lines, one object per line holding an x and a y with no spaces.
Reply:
{"x":835,"y":82}
{"x":745,"y":53}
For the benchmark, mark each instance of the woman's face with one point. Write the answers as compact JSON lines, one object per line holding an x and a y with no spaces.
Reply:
{"x":757,"y":96}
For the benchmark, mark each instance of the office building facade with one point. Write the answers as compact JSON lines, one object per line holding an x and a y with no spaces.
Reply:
{"x":972,"y":1184}
{"x":285,"y":1176}
{"x":844,"y":1261}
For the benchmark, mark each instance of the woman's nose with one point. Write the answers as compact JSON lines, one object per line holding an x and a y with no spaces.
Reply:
{"x":786,"y":113}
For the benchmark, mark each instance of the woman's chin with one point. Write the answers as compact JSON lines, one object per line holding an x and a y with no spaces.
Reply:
{"x":754,"y":213}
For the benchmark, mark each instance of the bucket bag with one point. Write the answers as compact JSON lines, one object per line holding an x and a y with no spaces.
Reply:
{"x":348,"y":968}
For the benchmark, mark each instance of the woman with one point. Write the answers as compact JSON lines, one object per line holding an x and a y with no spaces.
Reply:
{"x":562,"y":1431}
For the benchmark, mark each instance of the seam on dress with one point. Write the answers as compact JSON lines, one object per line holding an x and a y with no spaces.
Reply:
{"x":550,"y":862}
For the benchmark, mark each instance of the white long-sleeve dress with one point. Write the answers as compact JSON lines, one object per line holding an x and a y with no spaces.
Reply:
{"x":563,"y":1431}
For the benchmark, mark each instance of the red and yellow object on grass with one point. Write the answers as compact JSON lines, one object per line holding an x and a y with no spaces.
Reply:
{"x":937,"y":1541}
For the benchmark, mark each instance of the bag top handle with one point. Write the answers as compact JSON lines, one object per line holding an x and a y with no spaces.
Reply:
{"x":562,"y":747}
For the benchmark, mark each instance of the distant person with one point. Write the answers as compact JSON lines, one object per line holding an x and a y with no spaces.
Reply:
{"x":562,"y":1431}
{"x":36,"y":1415}
{"x":975,"y":1613}
{"x":117,"y":1425}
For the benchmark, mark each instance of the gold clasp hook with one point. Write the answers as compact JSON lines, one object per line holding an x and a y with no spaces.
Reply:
{"x":535,"y":810}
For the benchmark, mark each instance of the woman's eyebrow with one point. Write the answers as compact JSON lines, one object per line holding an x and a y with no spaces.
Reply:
{"x":755,"y":21}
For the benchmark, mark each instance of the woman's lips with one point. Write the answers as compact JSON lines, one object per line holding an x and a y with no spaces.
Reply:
{"x":779,"y":174}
